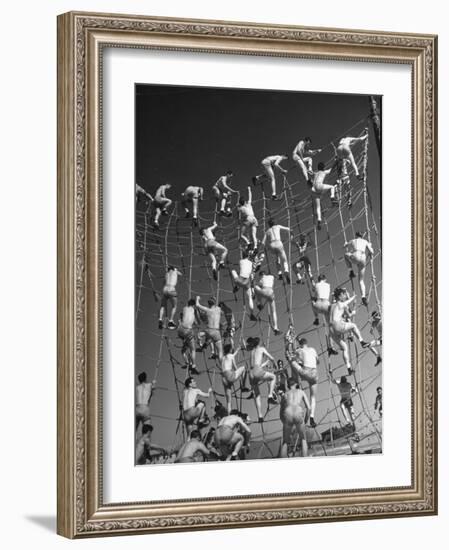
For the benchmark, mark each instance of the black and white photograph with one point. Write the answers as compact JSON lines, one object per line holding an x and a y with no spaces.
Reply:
{"x":258,"y":274}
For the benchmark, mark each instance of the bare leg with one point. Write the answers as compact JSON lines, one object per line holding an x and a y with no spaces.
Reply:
{"x":361,"y":280}
{"x":345,"y":412}
{"x":223,"y":204}
{"x":356,"y":331}
{"x":243,"y":236}
{"x":348,"y":257}
{"x":317,"y":205}
{"x":213,"y":260}
{"x":302,"y":167}
{"x":222,"y":250}
{"x":258,"y":399}
{"x":195,"y":207}
{"x":273,"y":313}
{"x":237,"y":446}
{"x":282,"y":259}
{"x":270,"y":173}
{"x":219,"y":349}
{"x":249,"y":296}
{"x":162,"y":312}
{"x":174,"y":304}
{"x":228,"y":393}
{"x":353,"y":163}
{"x":271,"y":379}
{"x":312,"y":400}
{"x":254,"y":235}
{"x":286,"y":435}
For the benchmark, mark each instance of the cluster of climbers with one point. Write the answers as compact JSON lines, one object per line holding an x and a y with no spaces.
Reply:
{"x":232,"y":436}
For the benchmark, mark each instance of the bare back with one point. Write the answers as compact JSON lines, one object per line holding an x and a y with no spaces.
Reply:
{"x":143,"y":393}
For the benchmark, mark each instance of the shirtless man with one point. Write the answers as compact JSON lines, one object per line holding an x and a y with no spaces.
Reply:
{"x":243,"y":279}
{"x":302,"y":156}
{"x":303,"y":266}
{"x":304,"y":364}
{"x":144,"y":391}
{"x":231,"y":435}
{"x":294,"y":411}
{"x":269,"y":163}
{"x":248,"y":220}
{"x":258,"y":374}
{"x":265,"y":294}
{"x":144,"y":445}
{"x":320,"y":300}
{"x":192,"y":195}
{"x":222,"y":190}
{"x":319,"y":188}
{"x":194,"y":410}
{"x":376,"y":331}
{"x":213,"y":248}
{"x":272,"y":240}
{"x":357,"y":252}
{"x":212,"y":332}
{"x":230,"y":373}
{"x":141,"y":191}
{"x":344,"y":150}
{"x":339,"y":328}
{"x":347,"y":390}
{"x":378,"y":402}
{"x":193,"y":450}
{"x":169,"y":296}
{"x":185,"y":332}
{"x":161,"y":203}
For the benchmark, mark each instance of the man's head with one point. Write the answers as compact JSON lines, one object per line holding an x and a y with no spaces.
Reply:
{"x":302,"y":342}
{"x":190,"y":382}
{"x":229,"y":174}
{"x":191,"y":302}
{"x":147,"y":428}
{"x":142,"y":377}
{"x":292,"y":383}
{"x":196,"y":434}
{"x":261,"y":273}
{"x":170,"y":268}
{"x":339,"y":293}
{"x":168,"y":185}
{"x":321,"y":277}
{"x":252,"y":342}
{"x":286,"y":157}
{"x":235,"y":412}
{"x":227,"y":349}
{"x":270,"y":222}
{"x":375,"y":315}
{"x":343,"y":379}
{"x":242,"y":201}
{"x":211,"y":302}
{"x":280,"y":364}
{"x":379,"y":390}
{"x":321,"y":166}
{"x":307,"y":140}
{"x":358,"y":234}
{"x":245,"y":254}
{"x":302,"y":238}
{"x":201,"y":231}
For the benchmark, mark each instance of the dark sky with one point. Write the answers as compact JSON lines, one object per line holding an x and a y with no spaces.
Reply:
{"x":191,"y":136}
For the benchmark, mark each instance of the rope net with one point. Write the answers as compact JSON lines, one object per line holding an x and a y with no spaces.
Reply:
{"x":177,"y":242}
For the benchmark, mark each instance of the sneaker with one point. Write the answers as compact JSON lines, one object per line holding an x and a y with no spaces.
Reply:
{"x":221,"y":265}
{"x":171,"y":325}
{"x":187,"y":214}
{"x":233,"y":457}
{"x":221,"y":213}
{"x":272,"y":400}
{"x":351,"y":274}
{"x":331,"y":351}
{"x":312,"y":422}
{"x":214,"y":274}
{"x":260,"y":420}
{"x":244,"y":389}
{"x":364,"y":344}
{"x":194,"y":371}
{"x":318,"y":226}
{"x":254,"y":180}
{"x":280,"y":276}
{"x":359,"y":177}
{"x":365,"y":301}
{"x":287,"y":277}
{"x":350,"y":372}
{"x":160,"y":324}
{"x":316,"y":322}
{"x":213,"y":356}
{"x":277,"y":332}
{"x":185,"y":367}
{"x":253,"y":317}
{"x":235,"y":289}
{"x":164,"y":212}
{"x":378,"y":361}
{"x":195,"y":222}
{"x":260,"y":307}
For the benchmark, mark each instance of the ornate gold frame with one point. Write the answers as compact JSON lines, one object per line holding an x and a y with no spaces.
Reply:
{"x":81,"y":37}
